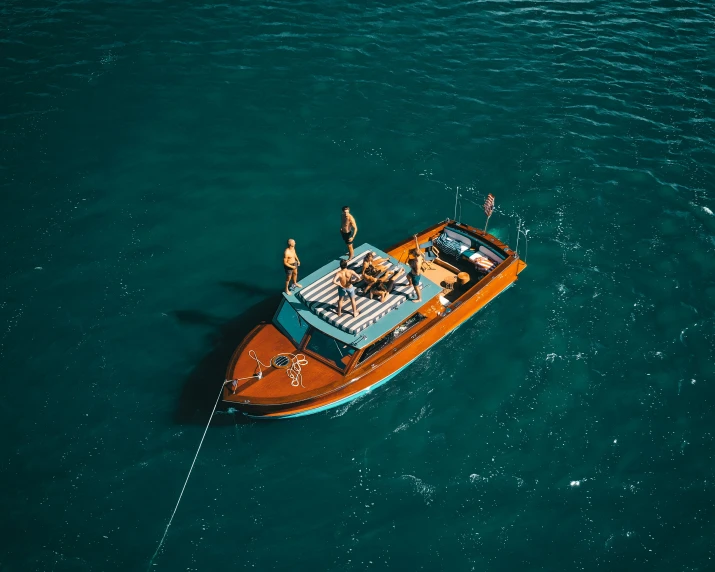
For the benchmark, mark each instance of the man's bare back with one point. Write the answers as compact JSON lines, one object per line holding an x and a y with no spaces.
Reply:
{"x":343,"y":280}
{"x":345,"y":277}
{"x":416,"y":264}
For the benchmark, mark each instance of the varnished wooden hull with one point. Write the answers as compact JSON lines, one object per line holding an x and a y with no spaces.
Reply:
{"x":350,"y":397}
{"x":391,"y":360}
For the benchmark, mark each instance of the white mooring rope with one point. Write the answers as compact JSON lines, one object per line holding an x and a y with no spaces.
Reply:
{"x":261,"y":365}
{"x":158,"y":548}
{"x":296,"y":377}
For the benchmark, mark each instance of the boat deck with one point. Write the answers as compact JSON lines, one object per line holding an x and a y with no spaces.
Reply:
{"x":339,"y":365}
{"x":380,"y":326}
{"x":438,"y":274}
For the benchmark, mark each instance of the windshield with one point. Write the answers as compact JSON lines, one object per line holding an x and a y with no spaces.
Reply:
{"x":291,"y":323}
{"x":332,"y":350}
{"x":391,"y":337}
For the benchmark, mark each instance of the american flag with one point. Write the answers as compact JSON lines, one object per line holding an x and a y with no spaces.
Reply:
{"x":489,"y":205}
{"x":483,"y":262}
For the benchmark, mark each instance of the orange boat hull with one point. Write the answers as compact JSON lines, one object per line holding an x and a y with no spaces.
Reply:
{"x":269,"y":396}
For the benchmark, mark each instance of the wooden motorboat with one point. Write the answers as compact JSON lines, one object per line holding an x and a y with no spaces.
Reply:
{"x":308,"y":359}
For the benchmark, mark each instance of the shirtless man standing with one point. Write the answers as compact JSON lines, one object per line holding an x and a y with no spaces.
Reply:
{"x":290,"y":265}
{"x":343,"y":280}
{"x":348,"y":230}
{"x":415,"y":274}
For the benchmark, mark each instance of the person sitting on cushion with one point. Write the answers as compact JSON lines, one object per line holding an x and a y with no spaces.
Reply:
{"x":382,"y":288}
{"x":371,"y":268}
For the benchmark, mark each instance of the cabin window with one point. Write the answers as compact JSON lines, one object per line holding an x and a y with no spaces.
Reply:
{"x":391,"y":337}
{"x":335,"y":352}
{"x":288,"y":320}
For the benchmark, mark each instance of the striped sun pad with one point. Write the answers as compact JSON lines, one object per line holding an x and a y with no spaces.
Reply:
{"x":322,"y":298}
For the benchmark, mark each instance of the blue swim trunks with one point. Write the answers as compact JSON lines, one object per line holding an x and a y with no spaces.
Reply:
{"x":349,"y":291}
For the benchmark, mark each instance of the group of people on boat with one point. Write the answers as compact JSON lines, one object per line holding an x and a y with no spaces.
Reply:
{"x":377,"y":280}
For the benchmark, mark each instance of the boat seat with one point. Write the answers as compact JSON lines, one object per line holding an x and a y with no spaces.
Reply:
{"x":458,"y":236}
{"x":481,"y":262}
{"x":449,"y":246}
{"x":490,"y":254}
{"x":473,"y":245}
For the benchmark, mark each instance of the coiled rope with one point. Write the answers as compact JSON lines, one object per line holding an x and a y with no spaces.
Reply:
{"x":294,"y":371}
{"x":297,"y":361}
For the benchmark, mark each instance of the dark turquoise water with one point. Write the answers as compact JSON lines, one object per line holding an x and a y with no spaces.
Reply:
{"x":156,"y":156}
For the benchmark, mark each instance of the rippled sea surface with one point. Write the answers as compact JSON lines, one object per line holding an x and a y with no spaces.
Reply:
{"x":156,"y":156}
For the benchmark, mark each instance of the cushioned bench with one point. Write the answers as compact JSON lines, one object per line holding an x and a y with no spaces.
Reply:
{"x":457,"y":244}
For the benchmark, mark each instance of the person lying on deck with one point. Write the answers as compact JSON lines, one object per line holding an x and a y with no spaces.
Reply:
{"x":415,"y":274}
{"x":382,"y":287}
{"x":372,"y":267}
{"x":344,"y":281}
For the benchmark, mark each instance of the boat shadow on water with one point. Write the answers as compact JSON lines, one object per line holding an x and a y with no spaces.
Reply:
{"x":201,"y":385}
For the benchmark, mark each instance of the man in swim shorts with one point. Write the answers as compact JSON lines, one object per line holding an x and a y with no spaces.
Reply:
{"x":290,"y":265}
{"x":348,"y":230}
{"x":344,"y":281}
{"x":415,"y":274}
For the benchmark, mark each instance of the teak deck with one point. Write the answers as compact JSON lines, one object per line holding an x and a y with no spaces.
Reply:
{"x":324,"y":385}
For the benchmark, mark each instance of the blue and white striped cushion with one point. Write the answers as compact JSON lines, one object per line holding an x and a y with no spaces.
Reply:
{"x":322,"y":299}
{"x":449,"y":246}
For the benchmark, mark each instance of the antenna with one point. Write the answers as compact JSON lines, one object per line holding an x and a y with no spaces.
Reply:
{"x":518,"y":232}
{"x":456,"y":198}
{"x":521,"y":229}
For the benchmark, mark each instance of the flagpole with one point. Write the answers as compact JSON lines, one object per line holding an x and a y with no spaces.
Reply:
{"x":488,"y":210}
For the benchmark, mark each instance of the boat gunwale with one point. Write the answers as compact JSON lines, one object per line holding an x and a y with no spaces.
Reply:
{"x":378,"y":360}
{"x":280,"y":410}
